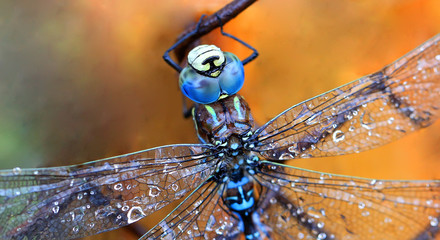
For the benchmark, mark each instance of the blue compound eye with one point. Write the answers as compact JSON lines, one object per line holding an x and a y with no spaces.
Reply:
{"x":232,"y":77}
{"x":199,"y":88}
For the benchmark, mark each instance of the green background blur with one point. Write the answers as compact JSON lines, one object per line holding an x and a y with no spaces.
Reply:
{"x":82,"y":80}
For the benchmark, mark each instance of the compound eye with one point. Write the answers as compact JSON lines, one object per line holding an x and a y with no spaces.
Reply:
{"x":232,"y":78}
{"x":207,"y":60}
{"x":199,"y":88}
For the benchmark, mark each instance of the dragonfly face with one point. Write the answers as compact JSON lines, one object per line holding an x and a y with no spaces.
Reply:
{"x":232,"y":182}
{"x":211,"y":74}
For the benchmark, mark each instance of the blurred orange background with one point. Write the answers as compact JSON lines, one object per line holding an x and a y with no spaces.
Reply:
{"x":83,"y":80}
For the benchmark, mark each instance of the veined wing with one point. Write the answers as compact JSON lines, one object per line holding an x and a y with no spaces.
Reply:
{"x":364,"y":114}
{"x":202,"y":215}
{"x":85,"y":199}
{"x":303,"y":204}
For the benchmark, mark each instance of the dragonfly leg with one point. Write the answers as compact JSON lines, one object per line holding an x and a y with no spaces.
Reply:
{"x":254,"y":51}
{"x":166,"y":55}
{"x":185,"y":109}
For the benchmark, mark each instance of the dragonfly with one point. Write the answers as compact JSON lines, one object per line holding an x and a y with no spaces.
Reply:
{"x":234,"y":183}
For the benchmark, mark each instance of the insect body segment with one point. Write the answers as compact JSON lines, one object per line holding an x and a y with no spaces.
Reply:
{"x":211,"y":73}
{"x":242,"y":197}
{"x":220,"y":120}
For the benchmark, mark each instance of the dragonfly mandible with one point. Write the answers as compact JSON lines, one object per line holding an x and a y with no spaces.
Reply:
{"x":233,"y":184}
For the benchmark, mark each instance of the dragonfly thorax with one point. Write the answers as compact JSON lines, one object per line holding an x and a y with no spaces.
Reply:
{"x":216,"y":122}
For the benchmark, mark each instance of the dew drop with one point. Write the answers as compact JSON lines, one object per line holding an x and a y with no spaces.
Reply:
{"x":434,"y":220}
{"x":56,"y":209}
{"x":135,"y":214}
{"x":154,"y":191}
{"x":338,"y":136}
{"x":388,"y":220}
{"x":312,"y":120}
{"x":390,"y":120}
{"x":210,"y":223}
{"x":286,"y":156}
{"x":175,"y":187}
{"x":379,"y":185}
{"x":118,"y":187}
{"x":429,"y":202}
{"x":365,"y":213}
{"x":282,"y":182}
{"x":306,"y":155}
{"x":322,"y":212}
{"x":16,"y":170}
{"x":322,"y":236}
{"x":361,"y":205}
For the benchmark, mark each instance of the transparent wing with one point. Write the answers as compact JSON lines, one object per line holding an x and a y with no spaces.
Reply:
{"x":81,"y":200}
{"x":304,"y":204}
{"x":364,"y":114}
{"x":201,"y":215}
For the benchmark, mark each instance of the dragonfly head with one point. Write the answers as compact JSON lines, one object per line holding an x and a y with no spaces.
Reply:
{"x":211,"y":74}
